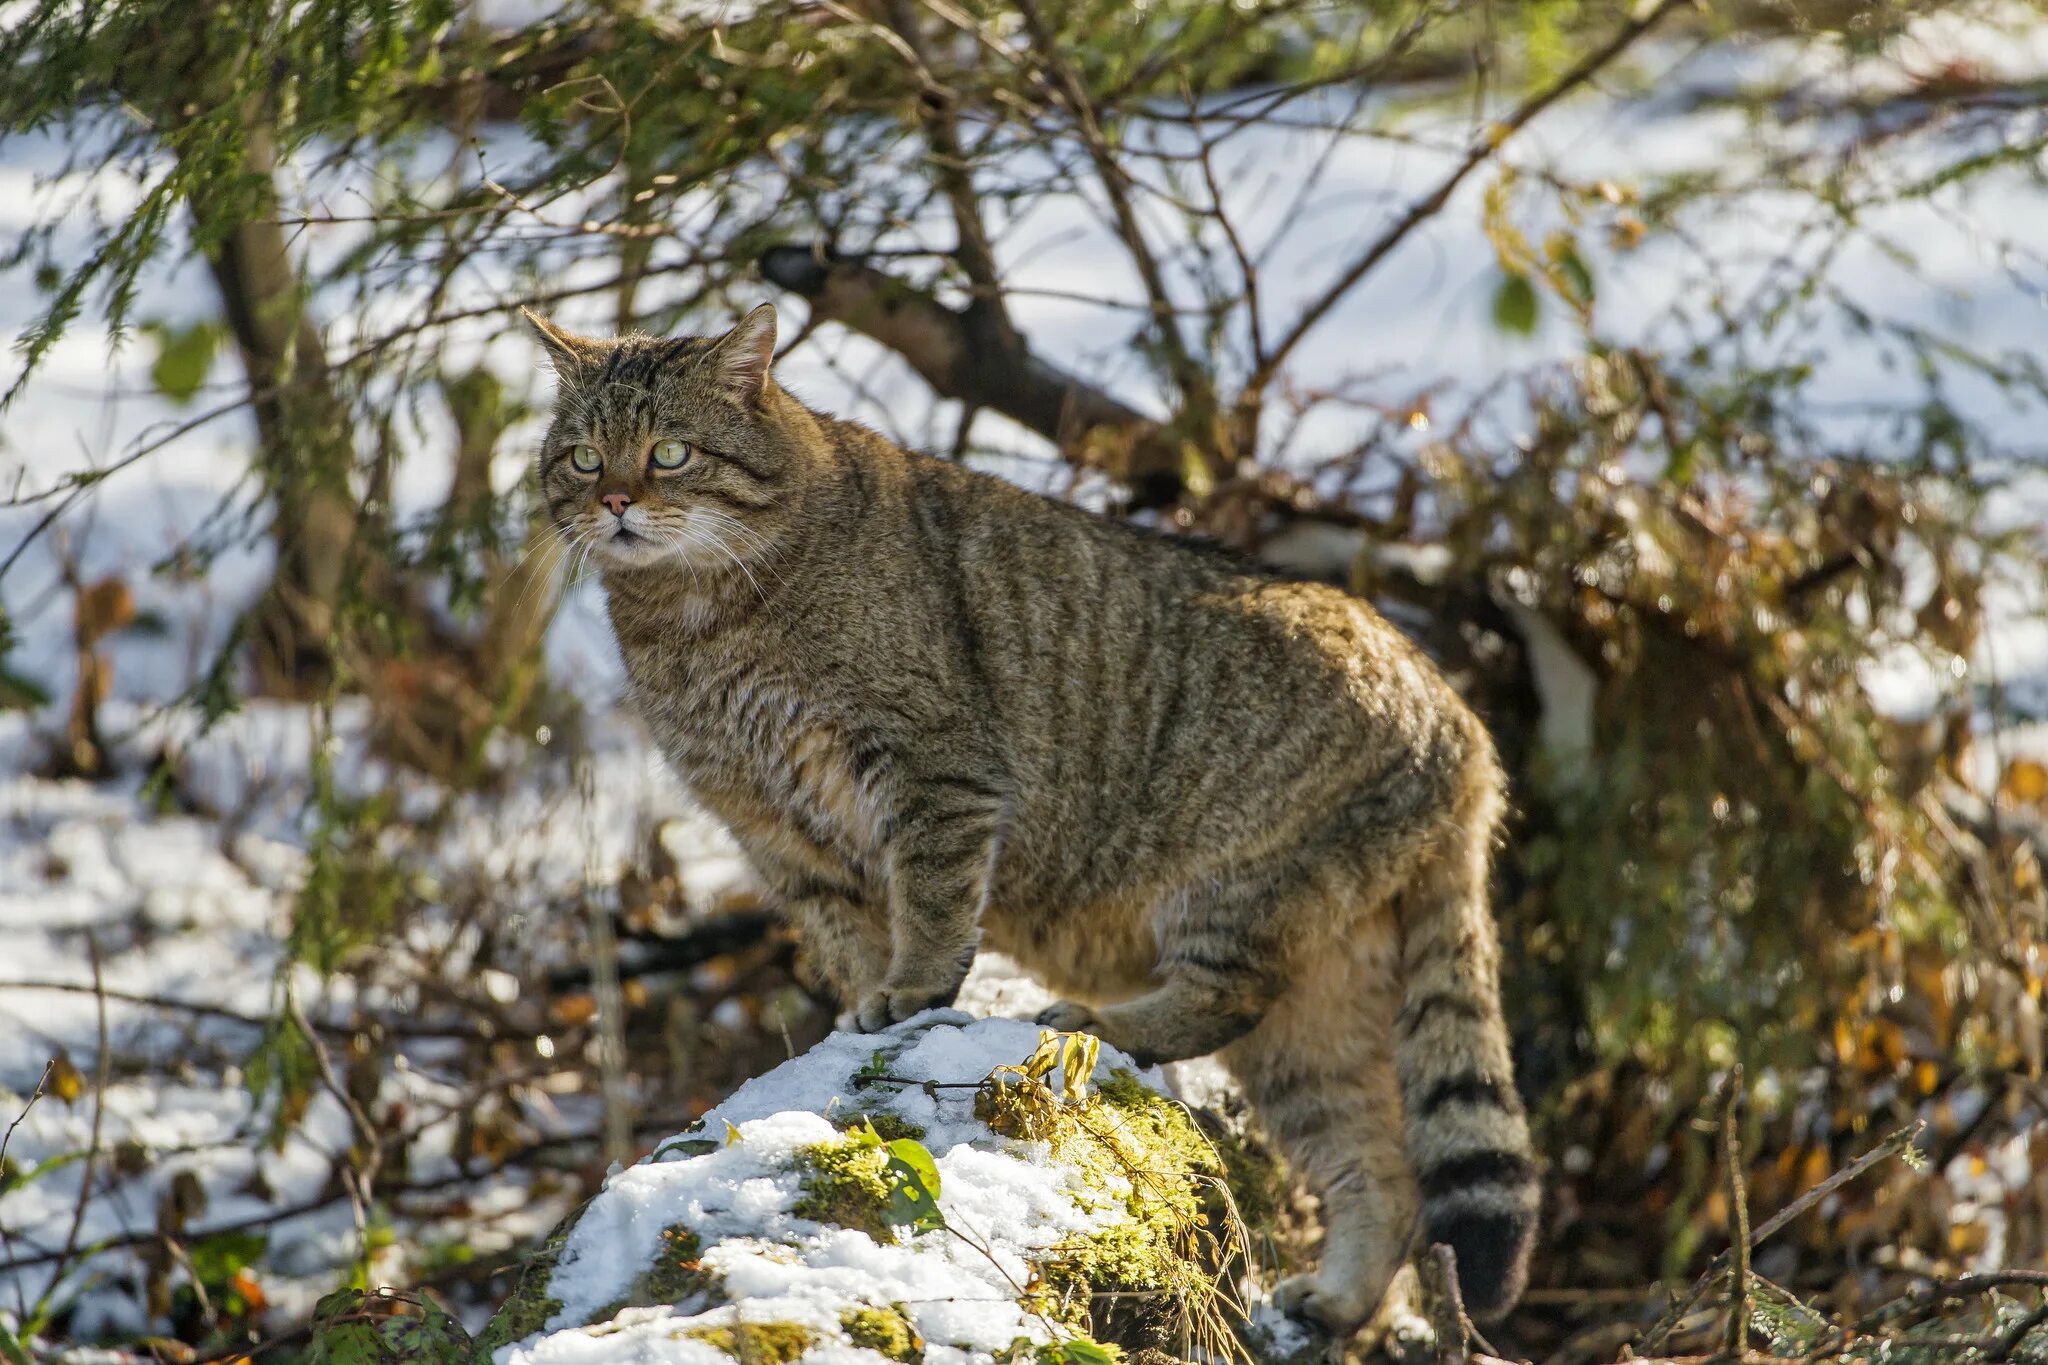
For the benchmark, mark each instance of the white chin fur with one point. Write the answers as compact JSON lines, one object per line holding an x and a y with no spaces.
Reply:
{"x":642,"y":549}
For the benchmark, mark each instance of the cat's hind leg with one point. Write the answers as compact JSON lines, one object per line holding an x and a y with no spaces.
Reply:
{"x":1319,"y":1074}
{"x":1219,"y":968}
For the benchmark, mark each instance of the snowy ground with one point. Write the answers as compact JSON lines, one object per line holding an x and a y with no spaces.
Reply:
{"x":187,"y":900}
{"x":1007,"y":1203}
{"x":193,"y":909}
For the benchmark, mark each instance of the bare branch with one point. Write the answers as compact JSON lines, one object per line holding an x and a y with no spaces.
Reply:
{"x":938,"y":113}
{"x":1483,"y":149}
{"x":1187,"y":372}
{"x":1737,"y":1339}
{"x":1884,"y":1151}
{"x":962,"y":357}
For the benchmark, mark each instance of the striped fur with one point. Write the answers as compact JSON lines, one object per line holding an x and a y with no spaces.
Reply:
{"x":1216,"y":810}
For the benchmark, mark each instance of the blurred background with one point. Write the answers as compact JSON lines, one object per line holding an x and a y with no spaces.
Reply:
{"x":1674,"y":373}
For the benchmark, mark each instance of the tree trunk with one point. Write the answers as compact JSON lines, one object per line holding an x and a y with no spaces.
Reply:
{"x":305,"y":440}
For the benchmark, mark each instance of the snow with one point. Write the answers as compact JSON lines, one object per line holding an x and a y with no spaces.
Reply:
{"x":1002,"y":1202}
{"x":193,"y":909}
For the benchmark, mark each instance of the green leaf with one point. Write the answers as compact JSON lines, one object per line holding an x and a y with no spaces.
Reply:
{"x":1577,"y":277}
{"x":1683,"y":464}
{"x":350,"y":1328}
{"x":432,"y":1338}
{"x":680,"y":1148}
{"x":334,"y":1304}
{"x":346,"y":1343}
{"x":1082,"y":1351}
{"x":913,"y":1187}
{"x":21,"y":694}
{"x":215,"y":1259}
{"x":183,"y":356}
{"x":11,"y":1349}
{"x":1514,"y":305}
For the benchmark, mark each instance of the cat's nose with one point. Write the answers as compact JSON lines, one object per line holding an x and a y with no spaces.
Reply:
{"x":618,"y":502}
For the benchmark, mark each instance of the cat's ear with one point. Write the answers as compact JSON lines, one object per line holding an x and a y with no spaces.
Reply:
{"x":742,"y":356}
{"x":570,"y":353}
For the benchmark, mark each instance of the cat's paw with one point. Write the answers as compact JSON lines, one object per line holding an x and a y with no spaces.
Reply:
{"x":1069,"y":1017}
{"x":879,"y":1009}
{"x":1336,"y":1309}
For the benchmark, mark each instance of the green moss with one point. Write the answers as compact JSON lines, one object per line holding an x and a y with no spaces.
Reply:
{"x":1121,"y":1258}
{"x":1162,"y":1126}
{"x":530,"y":1305}
{"x":759,"y":1343}
{"x":1123,"y":1089}
{"x":1130,"y":1145}
{"x":675,"y":1274}
{"x":844,"y":1182}
{"x":1256,"y":1177}
{"x":1075,"y":1351}
{"x":675,"y":1277}
{"x":887,"y":1126}
{"x":886,"y":1330}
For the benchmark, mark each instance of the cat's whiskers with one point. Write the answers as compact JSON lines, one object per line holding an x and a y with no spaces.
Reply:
{"x":712,"y":539}
{"x":672,"y":537}
{"x":548,"y":540}
{"x":581,"y":547}
{"x":766,"y":550}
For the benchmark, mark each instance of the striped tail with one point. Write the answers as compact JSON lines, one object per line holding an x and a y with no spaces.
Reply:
{"x":1466,"y":1133}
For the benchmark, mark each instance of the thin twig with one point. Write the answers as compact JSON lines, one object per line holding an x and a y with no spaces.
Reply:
{"x":964,"y":433}
{"x":103,"y":1067}
{"x":1483,"y":149}
{"x":1961,"y":1287}
{"x":611,"y":999}
{"x":2015,"y":1334}
{"x":859,"y":1081}
{"x":1115,"y":179}
{"x":359,"y":1182}
{"x":1737,"y":1339}
{"x":1453,"y":1326}
{"x":395,"y":1027}
{"x":49,"y":1070}
{"x":6,"y":1240}
{"x":1884,"y":1151}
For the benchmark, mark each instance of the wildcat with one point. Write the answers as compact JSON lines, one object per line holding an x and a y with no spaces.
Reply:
{"x":1215,"y":809}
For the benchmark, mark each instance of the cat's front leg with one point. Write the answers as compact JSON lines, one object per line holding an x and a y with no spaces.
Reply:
{"x":842,"y":944}
{"x":940,"y":862}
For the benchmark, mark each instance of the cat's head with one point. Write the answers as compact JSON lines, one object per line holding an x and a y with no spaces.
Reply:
{"x":673,"y":450}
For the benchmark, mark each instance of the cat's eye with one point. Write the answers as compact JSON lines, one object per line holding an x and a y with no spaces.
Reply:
{"x":671,"y":454}
{"x":586,"y":459}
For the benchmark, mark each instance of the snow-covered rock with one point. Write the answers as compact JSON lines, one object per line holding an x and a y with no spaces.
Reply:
{"x":1074,"y":1200}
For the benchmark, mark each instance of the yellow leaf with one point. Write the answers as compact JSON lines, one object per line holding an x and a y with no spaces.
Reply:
{"x":101,"y":608}
{"x":252,"y":1293}
{"x":2025,"y":782}
{"x":67,"y":1082}
{"x":572,"y":1010}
